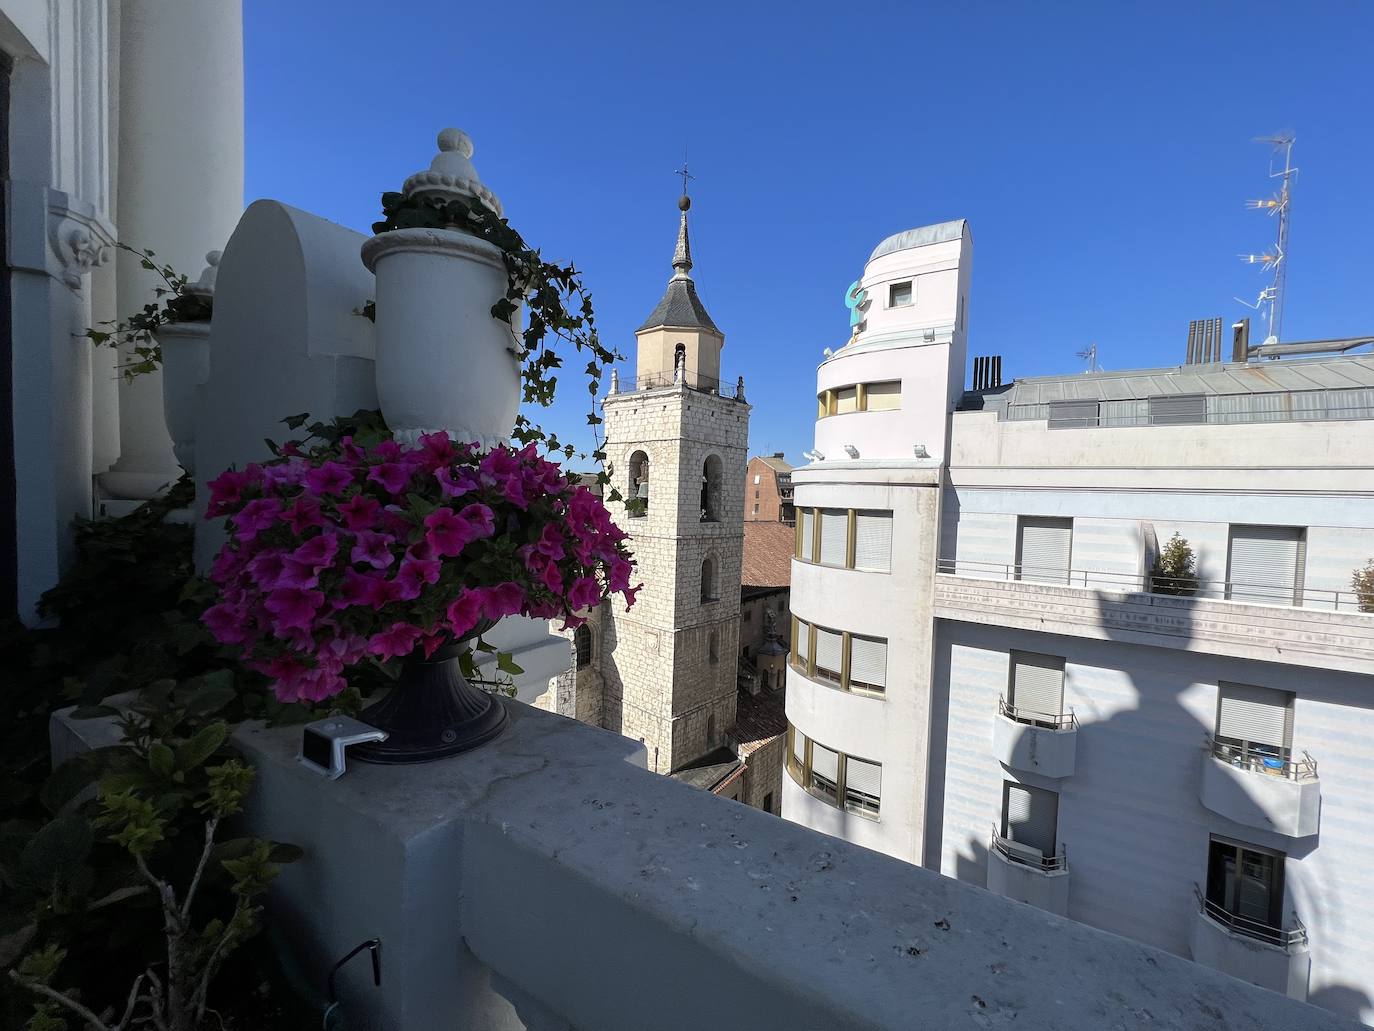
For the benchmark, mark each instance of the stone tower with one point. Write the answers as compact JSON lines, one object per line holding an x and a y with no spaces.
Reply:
{"x":676,"y":442}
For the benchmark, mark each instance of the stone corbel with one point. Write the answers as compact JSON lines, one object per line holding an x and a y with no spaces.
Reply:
{"x":78,"y":239}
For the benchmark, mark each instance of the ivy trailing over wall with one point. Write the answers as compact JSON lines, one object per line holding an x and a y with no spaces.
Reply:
{"x":558,"y":306}
{"x":138,"y":330}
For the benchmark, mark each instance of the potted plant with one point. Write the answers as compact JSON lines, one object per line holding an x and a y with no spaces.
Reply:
{"x":1175,"y":569}
{"x":171,"y":333}
{"x":346,"y":553}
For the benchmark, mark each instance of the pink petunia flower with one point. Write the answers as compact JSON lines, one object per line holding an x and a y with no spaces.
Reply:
{"x":373,"y":549}
{"x":466,"y":611}
{"x":294,"y":607}
{"x":585,"y":593}
{"x":455,"y":484}
{"x":304,"y":515}
{"x":329,"y":478}
{"x":392,"y":476}
{"x":359,"y":512}
{"x":551,"y":542}
{"x":446,"y":533}
{"x":412,"y":577}
{"x":480,"y":519}
{"x":226,"y":623}
{"x":363,"y":589}
{"x":397,"y":640}
{"x":505,"y":599}
{"x":226,"y":490}
{"x":255,"y":517}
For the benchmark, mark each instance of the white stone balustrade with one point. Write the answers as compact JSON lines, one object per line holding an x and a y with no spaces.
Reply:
{"x":547,"y":881}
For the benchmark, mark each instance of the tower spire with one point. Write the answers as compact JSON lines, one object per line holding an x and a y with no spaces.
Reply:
{"x":682,"y":253}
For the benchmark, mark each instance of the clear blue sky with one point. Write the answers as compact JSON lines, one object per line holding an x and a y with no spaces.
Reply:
{"x":1100,"y":151}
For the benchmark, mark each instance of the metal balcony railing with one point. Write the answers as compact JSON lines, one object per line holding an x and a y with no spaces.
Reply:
{"x":1259,"y":760}
{"x":1285,"y":938}
{"x":690,"y":380}
{"x":1026,"y":855}
{"x":1048,"y":720}
{"x":1218,"y":590}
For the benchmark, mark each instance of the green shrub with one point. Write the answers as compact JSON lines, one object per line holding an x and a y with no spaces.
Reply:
{"x":1175,"y":569}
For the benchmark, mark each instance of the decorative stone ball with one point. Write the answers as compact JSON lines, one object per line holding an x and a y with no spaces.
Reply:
{"x":455,"y":139}
{"x":684,"y":202}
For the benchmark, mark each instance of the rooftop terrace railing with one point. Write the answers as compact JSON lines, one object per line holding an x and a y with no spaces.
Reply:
{"x":1284,"y":937}
{"x":1210,"y":409}
{"x":1290,"y":596}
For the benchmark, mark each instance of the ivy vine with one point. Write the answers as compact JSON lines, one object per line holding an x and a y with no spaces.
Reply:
{"x":557,"y":303}
{"x":173,"y":304}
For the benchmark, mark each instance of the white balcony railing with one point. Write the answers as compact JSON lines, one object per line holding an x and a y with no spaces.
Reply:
{"x":1284,"y":937}
{"x":1147,"y":583}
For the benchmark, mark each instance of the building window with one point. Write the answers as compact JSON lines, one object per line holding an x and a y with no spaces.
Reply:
{"x":1043,"y":547}
{"x":1035,"y":690}
{"x":756,"y":495}
{"x":756,"y":508}
{"x":883,"y":397}
{"x":806,"y":535}
{"x":863,"y":783}
{"x":873,"y":541}
{"x":756,"y":481}
{"x":1265,"y":564}
{"x":1245,"y":888}
{"x":638,"y":485}
{"x":1030,"y":821}
{"x":710,"y":489}
{"x":867,"y":665}
{"x":834,"y":542}
{"x":829,"y":656}
{"x":747,"y":617}
{"x":713,"y":647}
{"x":1254,"y":726}
{"x":846,"y":400}
{"x":582,"y":645}
{"x":831,"y":776}
{"x":801,"y":646}
{"x":899,"y":295}
{"x":840,"y":659}
{"x":768,"y":802}
{"x":709,"y":590}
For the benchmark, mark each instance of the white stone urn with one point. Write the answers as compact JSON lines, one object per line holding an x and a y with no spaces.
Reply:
{"x":442,"y":361}
{"x":185,"y":367}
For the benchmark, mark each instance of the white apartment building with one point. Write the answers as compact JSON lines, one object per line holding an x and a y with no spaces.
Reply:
{"x":984,"y":682}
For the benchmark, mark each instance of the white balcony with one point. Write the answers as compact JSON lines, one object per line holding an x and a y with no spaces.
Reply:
{"x":1271,"y":957}
{"x":506,"y":882}
{"x":1279,"y":795}
{"x":1025,"y":874}
{"x":1036,"y":742}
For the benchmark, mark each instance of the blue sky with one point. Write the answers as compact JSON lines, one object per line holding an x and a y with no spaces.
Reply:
{"x":1101,"y":152}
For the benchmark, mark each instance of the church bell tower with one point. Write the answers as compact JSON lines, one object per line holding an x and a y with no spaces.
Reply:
{"x":677,"y":440}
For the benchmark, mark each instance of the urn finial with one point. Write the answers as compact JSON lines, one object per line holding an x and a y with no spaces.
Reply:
{"x":451,"y":174}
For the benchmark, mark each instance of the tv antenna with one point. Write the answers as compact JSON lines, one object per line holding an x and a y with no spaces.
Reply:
{"x":1089,"y":355}
{"x":1270,"y":299}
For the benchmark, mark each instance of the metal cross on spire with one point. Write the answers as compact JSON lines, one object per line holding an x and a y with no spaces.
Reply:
{"x":685,"y":174}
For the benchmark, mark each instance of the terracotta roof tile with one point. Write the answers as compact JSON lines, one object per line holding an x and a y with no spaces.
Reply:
{"x":758,"y":719}
{"x":768,"y":549}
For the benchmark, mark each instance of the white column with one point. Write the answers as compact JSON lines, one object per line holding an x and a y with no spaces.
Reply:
{"x":180,"y":182}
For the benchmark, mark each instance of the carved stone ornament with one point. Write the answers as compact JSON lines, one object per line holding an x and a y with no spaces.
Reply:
{"x":79,"y":242}
{"x":451,"y":173}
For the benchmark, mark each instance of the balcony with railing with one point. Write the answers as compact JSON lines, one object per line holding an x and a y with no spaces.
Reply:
{"x":1035,"y":742}
{"x":1276,"y":958}
{"x":1024,"y":873}
{"x":1322,"y":629}
{"x":683,"y":378}
{"x":1261,"y":787}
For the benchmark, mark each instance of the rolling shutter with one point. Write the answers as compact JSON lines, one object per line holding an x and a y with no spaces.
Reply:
{"x":1044,"y":549}
{"x":884,"y":397}
{"x":1037,"y":683}
{"x":834,"y":536}
{"x":808,"y":529}
{"x":824,"y":762}
{"x":1259,"y":715}
{"x":873,"y":540}
{"x":1264,"y":564}
{"x":801,"y":645}
{"x":829,"y":646}
{"x":799,"y":747}
{"x":1032,"y":817}
{"x":868,"y":663}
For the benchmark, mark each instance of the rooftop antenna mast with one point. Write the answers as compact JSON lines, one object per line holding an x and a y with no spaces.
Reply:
{"x":1089,"y":355}
{"x":1275,"y":260}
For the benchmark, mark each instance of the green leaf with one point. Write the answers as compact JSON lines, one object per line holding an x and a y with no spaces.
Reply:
{"x":195,"y":752}
{"x":76,"y":775}
{"x":506,"y":664}
{"x":295,"y":422}
{"x":161,"y":760}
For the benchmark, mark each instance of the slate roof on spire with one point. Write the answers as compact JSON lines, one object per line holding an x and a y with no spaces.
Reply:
{"x":680,"y":307}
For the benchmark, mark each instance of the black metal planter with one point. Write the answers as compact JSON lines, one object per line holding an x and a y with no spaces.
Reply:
{"x":432,"y":712}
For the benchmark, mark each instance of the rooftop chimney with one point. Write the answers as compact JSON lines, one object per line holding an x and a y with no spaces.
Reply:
{"x":987,"y":372}
{"x":1204,"y":342}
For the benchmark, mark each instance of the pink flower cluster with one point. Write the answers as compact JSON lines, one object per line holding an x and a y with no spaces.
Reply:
{"x":377,"y":552}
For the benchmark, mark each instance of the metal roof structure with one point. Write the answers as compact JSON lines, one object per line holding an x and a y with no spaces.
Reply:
{"x":1264,"y":377}
{"x":921,"y":236}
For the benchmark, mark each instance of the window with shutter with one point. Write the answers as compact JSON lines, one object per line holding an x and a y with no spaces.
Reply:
{"x":801,"y":645}
{"x":1265,"y":564}
{"x":1043,"y":549}
{"x":1037,"y":686}
{"x":873,"y":541}
{"x":824,"y":771}
{"x":1030,"y":817}
{"x":884,"y":397}
{"x":863,"y":786}
{"x":1255,"y":719}
{"x":808,"y":534}
{"x":829,"y":649}
{"x":867,"y":664}
{"x":834,"y":536}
